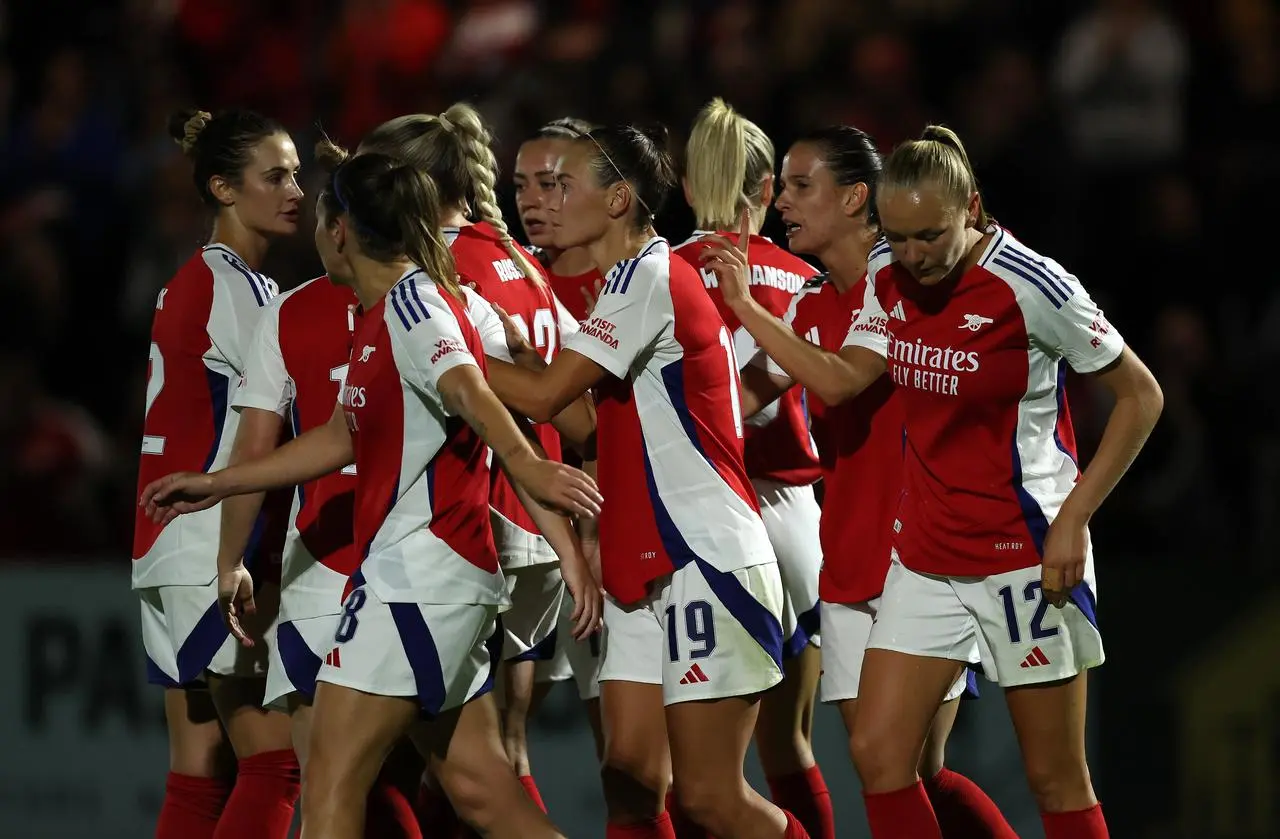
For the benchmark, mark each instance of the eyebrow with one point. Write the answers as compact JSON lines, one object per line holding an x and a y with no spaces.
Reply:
{"x":919,"y":234}
{"x":281,"y":169}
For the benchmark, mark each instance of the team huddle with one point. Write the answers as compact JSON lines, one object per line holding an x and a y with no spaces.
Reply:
{"x":382,"y":512}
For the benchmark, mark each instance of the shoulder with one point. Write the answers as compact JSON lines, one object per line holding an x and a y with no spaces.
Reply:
{"x":415,"y":300}
{"x":1029,"y":274}
{"x":229,"y":270}
{"x":880,"y":258}
{"x":655,"y":263}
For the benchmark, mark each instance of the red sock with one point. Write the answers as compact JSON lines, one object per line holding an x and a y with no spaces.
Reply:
{"x":795,"y":830}
{"x":902,"y":814}
{"x":656,"y":828}
{"x":389,"y":815}
{"x":261,"y":805}
{"x":530,"y":787}
{"x":804,"y":795}
{"x":1078,"y":824}
{"x":435,"y":814}
{"x":191,"y":806}
{"x":683,"y":827}
{"x":963,"y":810}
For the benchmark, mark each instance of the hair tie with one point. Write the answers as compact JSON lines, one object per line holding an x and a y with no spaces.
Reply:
{"x":337,"y":194}
{"x":445,"y":123}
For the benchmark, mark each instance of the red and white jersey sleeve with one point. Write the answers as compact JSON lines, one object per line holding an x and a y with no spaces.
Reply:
{"x":297,"y":368}
{"x":203,"y":326}
{"x":990,"y":453}
{"x":422,"y":484}
{"x":860,"y":448}
{"x":777,"y":446}
{"x":669,"y":428}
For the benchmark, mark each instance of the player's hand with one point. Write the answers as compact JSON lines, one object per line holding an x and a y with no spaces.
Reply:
{"x":235,"y":599}
{"x":592,"y":295}
{"x":558,"y":487}
{"x":728,"y":261}
{"x":178,"y":493}
{"x":519,"y":346}
{"x":1062,"y":568}
{"x":588,"y":600}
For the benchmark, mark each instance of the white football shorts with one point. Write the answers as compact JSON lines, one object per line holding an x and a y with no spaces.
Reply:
{"x":184,"y":636}
{"x":791,"y":517}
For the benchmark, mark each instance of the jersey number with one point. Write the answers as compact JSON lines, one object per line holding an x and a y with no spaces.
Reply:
{"x":348,"y":624}
{"x":698,"y":625}
{"x":339,"y":375}
{"x":1030,"y":594}
{"x":735,"y":398}
{"x":153,"y":443}
{"x":544,"y":332}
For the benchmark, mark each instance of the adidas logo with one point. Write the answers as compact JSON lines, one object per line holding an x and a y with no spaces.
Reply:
{"x":333,"y":659}
{"x":694,"y":676}
{"x":898,"y":312}
{"x":1035,"y":658}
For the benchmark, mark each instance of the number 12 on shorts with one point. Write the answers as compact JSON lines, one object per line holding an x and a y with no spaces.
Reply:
{"x":1030,"y":594}
{"x":699,"y":626}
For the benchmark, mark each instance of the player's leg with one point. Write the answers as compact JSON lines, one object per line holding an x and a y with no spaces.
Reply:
{"x":723,"y":645}
{"x":464,"y":750}
{"x":1039,"y":654}
{"x":919,"y":642}
{"x":529,"y":628}
{"x":201,"y":764}
{"x":784,"y":728}
{"x":579,"y":660}
{"x":268,"y":778}
{"x":635,"y":768}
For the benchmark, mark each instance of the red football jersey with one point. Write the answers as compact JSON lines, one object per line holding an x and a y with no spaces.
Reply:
{"x":990,"y":453}
{"x":203,"y":325}
{"x":574,"y":290}
{"x":485,"y":265}
{"x":778,"y":446}
{"x":297,"y":368}
{"x":860,"y":449}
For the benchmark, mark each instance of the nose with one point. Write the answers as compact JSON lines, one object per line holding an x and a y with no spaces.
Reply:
{"x":783,"y":202}
{"x":555,"y":201}
{"x":915,"y":253}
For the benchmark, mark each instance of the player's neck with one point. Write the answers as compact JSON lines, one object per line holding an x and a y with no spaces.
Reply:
{"x":454,"y":217}
{"x":618,"y":243}
{"x":249,"y":245}
{"x":846,"y":259}
{"x":372,"y":280}
{"x":571,"y":262}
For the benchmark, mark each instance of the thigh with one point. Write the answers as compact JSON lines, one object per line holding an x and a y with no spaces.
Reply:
{"x":1049,"y":720}
{"x":440,"y":656}
{"x":791,"y":517}
{"x":251,"y":728}
{"x":1024,"y":640}
{"x":636,"y":761}
{"x":352,"y":732}
{"x":722,"y":634}
{"x":845,"y":629}
{"x":709,"y":739}
{"x":529,"y":626}
{"x":197,"y":743}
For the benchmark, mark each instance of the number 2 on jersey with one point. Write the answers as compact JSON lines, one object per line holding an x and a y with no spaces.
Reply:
{"x":735,"y":398}
{"x":543,"y":336}
{"x":153,"y":443}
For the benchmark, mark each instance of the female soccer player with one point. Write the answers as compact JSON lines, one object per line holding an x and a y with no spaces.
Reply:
{"x":729,"y":164}
{"x":245,"y":170}
{"x":992,"y":559}
{"x":574,"y":277}
{"x":454,"y":149}
{"x":827,"y":203}
{"x":695,"y":597}
{"x":417,"y":635}
{"x":576,"y":282}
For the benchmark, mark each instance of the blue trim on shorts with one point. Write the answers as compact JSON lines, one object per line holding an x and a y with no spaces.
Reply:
{"x":156,"y":676}
{"x":807,"y":625}
{"x":544,"y":650}
{"x":201,"y":645}
{"x":1086,"y":602}
{"x":424,"y":658}
{"x":970,"y":683}
{"x":494,"y":645}
{"x":301,"y":665}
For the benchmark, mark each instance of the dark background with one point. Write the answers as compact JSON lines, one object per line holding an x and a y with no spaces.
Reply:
{"x":1133,"y":141}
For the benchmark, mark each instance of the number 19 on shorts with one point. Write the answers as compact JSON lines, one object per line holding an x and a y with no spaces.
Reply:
{"x":699,"y":628}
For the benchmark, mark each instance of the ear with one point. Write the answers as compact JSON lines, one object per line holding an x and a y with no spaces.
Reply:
{"x":223,"y":192}
{"x":620,"y":198}
{"x":855,"y":199}
{"x":975,"y":210}
{"x":338,"y":230}
{"x":766,"y":190}
{"x":688,"y":193}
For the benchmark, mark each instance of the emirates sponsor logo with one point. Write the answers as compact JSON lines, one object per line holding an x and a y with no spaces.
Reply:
{"x":924,"y":367}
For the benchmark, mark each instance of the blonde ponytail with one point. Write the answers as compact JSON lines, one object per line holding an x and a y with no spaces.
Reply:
{"x":482,"y":174}
{"x":938,"y":158}
{"x":727,"y":159}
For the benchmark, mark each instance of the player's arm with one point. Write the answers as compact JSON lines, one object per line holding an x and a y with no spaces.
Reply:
{"x":464,"y":393}
{"x":760,"y":388}
{"x":832,"y":377}
{"x":324,"y":449}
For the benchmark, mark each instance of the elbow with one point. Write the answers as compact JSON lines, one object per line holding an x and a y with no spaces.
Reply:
{"x":541,"y":410}
{"x":1154,"y":400}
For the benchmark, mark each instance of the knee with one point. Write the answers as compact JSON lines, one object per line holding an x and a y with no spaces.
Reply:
{"x":710,"y":802}
{"x":1060,"y":783}
{"x":883,"y":761}
{"x":472,"y":798}
{"x":634,"y":779}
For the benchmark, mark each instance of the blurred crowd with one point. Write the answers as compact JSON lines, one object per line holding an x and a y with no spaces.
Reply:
{"x":1122,"y":137}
